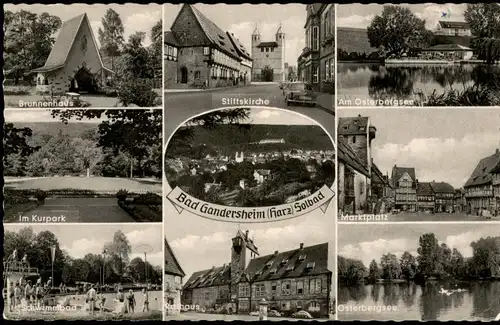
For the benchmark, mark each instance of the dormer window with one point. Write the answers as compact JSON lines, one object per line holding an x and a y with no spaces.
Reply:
{"x":310,"y":265}
{"x":290,"y":268}
{"x":274,"y":271}
{"x":302,"y":257}
{"x":269,"y":264}
{"x":284,"y":261}
{"x":362,"y":128}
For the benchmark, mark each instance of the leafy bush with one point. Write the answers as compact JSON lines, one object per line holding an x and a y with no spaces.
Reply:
{"x":136,"y":92}
{"x":16,"y":199}
{"x":40,"y":195}
{"x":141,"y":213}
{"x":122,"y":195}
{"x":148,"y":199}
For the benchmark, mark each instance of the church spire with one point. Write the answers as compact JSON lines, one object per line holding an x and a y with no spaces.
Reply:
{"x":280,"y":30}
{"x":256,"y":30}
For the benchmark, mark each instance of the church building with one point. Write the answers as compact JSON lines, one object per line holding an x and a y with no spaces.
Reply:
{"x":268,"y":57}
{"x":74,"y":63}
{"x":289,"y":281}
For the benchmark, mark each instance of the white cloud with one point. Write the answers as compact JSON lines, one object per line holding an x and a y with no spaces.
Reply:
{"x":264,"y":114}
{"x":355,"y":21}
{"x":367,"y":251}
{"x":462,"y":242}
{"x":81,"y":247}
{"x":449,"y":160}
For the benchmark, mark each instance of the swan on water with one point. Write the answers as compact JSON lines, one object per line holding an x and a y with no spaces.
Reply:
{"x":498,"y":317}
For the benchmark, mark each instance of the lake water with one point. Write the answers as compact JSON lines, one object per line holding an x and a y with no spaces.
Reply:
{"x":481,"y":301}
{"x":358,"y":81}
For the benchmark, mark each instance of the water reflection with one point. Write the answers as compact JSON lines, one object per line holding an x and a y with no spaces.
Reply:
{"x":480,"y":301}
{"x":377,"y":82}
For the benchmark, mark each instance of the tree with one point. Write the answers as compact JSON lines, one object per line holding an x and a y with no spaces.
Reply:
{"x":390,"y":267}
{"x":87,"y":154}
{"x":119,"y":247}
{"x":408,"y":266}
{"x":16,"y":149}
{"x":155,"y":50}
{"x":398,"y":30}
{"x":28,"y":40}
{"x":458,"y":264}
{"x":131,"y":132}
{"x":350,"y":271}
{"x":428,"y":255}
{"x":486,"y":256}
{"x":373,"y":272}
{"x":111,"y":35}
{"x":483,"y":19}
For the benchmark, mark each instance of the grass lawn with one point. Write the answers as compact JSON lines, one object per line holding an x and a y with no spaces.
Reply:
{"x":87,"y":183}
{"x":12,"y":211}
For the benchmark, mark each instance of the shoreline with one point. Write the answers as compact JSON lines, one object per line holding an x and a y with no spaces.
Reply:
{"x":424,"y":62}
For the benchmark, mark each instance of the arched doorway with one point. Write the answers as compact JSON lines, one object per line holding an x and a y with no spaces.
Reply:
{"x":267,"y":74}
{"x":83,"y":82}
{"x":184,"y":75}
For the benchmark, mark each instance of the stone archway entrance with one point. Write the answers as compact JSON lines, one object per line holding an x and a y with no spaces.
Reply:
{"x":267,"y":74}
{"x":184,"y":75}
{"x":83,"y":82}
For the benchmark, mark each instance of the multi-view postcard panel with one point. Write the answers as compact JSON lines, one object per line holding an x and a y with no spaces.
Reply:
{"x":258,"y":183}
{"x":97,"y":272}
{"x":83,"y":166}
{"x":446,"y":169}
{"x":69,"y":56}
{"x":417,"y":55}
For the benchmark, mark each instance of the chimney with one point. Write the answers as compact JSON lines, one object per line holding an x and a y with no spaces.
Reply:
{"x":301,"y":245}
{"x":275,"y":252}
{"x":246,"y":234}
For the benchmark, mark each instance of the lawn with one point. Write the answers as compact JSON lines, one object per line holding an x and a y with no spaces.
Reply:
{"x":105,"y":184}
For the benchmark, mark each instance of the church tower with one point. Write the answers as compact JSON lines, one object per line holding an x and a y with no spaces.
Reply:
{"x":255,"y":41}
{"x":280,"y":39}
{"x":243,"y":250}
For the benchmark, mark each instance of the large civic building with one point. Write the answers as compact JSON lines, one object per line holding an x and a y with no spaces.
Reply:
{"x":289,"y":281}
{"x":198,"y":53}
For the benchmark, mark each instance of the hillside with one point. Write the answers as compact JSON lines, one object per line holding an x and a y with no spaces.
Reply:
{"x":75,"y":129}
{"x":353,"y":40}
{"x":298,"y":136}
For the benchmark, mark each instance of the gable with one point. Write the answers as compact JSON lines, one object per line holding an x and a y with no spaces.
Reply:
{"x":405,"y":178}
{"x":187,"y":30}
{"x":171,"y":264}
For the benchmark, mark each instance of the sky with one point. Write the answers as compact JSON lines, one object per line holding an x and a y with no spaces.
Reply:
{"x":367,"y":242}
{"x":79,"y":240}
{"x":199,"y":243}
{"x":243,"y":18}
{"x":134,"y":17}
{"x":38,"y":115}
{"x":360,"y":16}
{"x":444,"y":145}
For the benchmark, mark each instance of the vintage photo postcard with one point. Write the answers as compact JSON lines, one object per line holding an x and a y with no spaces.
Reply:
{"x":86,"y":165}
{"x":422,"y":272}
{"x":78,"y":55}
{"x":279,"y":55}
{"x":418,"y":54}
{"x":94,"y":272}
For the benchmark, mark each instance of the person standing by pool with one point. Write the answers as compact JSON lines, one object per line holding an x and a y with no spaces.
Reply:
{"x":131,"y":301}
{"x":91,"y":297}
{"x":27,"y":293}
{"x":145,"y":306}
{"x":17,"y":295}
{"x":12,"y":300}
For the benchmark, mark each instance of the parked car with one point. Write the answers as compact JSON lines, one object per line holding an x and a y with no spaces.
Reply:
{"x":302,"y":314}
{"x":254,"y":313}
{"x":395,"y":211}
{"x":299,"y":93}
{"x":274,"y":313}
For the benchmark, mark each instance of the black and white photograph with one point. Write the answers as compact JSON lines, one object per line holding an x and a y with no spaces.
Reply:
{"x":78,"y":55}
{"x":422,"y":272}
{"x":279,"y":55}
{"x":419,"y":164}
{"x":250,"y":157}
{"x":96,"y":272}
{"x":83,"y":165}
{"x":418,"y":54}
{"x":278,"y":272}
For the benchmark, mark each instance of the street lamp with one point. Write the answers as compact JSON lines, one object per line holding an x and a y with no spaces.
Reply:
{"x":144,"y":248}
{"x":104,"y":252}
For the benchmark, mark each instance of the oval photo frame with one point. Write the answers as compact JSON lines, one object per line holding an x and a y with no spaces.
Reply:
{"x":294,"y":179}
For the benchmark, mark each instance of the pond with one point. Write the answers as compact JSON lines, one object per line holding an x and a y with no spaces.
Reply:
{"x":358,"y":81}
{"x":479,"y":301}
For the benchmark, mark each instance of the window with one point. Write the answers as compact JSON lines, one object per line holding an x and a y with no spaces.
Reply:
{"x":290,"y":268}
{"x":353,"y":139}
{"x":315,"y":74}
{"x":318,"y":286}
{"x":300,"y":287}
{"x":206,"y":51}
{"x":285,"y":288}
{"x":302,"y":257}
{"x":327,"y":69}
{"x":273,"y":288}
{"x":326,"y":24}
{"x":207,"y":296}
{"x":267,"y":49}
{"x":272,"y":49}
{"x":177,"y":279}
{"x":284,"y":261}
{"x":197,"y":74}
{"x":273,"y":271}
{"x":262,"y":49}
{"x":260,"y":290}
{"x":312,"y":286}
{"x":315,"y":38}
{"x":314,"y":306}
{"x":331,"y":68}
{"x":244,"y":290}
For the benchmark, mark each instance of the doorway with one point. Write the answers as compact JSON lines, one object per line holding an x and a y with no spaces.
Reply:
{"x":184,"y":75}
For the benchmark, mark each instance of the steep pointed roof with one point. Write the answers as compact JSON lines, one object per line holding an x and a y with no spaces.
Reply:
{"x":240,"y":48}
{"x":482,"y":173}
{"x":172,"y":266}
{"x":256,"y":31}
{"x":64,"y":43}
{"x":280,"y":30}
